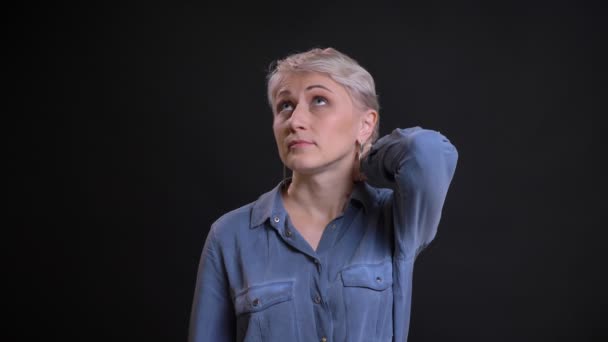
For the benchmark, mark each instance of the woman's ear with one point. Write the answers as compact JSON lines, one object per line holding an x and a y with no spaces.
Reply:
{"x":369,"y":119}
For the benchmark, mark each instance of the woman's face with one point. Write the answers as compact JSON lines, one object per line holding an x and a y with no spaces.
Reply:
{"x":316,"y":123}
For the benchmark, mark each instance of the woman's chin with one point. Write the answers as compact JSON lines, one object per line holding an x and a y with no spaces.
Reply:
{"x":309,"y":166}
{"x":304,"y":167}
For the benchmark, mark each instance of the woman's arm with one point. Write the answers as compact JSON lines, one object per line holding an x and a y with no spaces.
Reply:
{"x":418,"y":164}
{"x":212,"y":317}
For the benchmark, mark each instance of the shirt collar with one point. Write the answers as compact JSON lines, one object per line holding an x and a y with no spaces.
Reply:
{"x":270,"y":204}
{"x":364,"y":194}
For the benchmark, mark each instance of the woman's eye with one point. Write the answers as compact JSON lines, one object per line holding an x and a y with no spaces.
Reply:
{"x":283,"y":106}
{"x":319,"y":101}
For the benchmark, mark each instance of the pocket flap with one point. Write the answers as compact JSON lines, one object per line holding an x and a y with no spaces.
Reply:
{"x":373,"y":276}
{"x":261,"y":296}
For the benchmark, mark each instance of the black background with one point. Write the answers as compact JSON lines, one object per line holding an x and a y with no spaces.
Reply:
{"x":132,"y":127}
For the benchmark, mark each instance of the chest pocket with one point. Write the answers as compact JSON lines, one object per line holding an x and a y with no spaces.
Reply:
{"x":377,"y":277}
{"x":266,"y":312}
{"x":368,"y":298}
{"x":259,"y":297}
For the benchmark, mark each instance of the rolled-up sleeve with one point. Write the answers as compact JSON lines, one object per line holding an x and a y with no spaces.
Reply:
{"x":212,"y":317}
{"x":418,"y":165}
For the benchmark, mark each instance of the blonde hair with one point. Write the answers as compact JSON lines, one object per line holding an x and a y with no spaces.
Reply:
{"x":339,"y":67}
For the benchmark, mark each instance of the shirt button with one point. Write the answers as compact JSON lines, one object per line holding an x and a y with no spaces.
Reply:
{"x":276,"y":219}
{"x":256,"y":302}
{"x":378,"y":279}
{"x":288,"y":233}
{"x":323,"y":339}
{"x":317,"y":299}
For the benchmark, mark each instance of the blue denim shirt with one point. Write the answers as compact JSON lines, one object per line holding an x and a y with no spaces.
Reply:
{"x":259,"y":280}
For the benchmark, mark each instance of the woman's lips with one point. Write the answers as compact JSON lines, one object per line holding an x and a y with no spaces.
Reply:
{"x":299,"y":143}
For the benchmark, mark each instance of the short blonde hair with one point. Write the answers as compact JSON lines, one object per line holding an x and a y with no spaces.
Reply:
{"x":339,"y":67}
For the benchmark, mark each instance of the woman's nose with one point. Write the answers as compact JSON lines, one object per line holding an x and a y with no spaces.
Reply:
{"x":299,"y":117}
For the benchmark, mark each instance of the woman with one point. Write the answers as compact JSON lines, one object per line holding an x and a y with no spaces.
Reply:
{"x":326,"y":255}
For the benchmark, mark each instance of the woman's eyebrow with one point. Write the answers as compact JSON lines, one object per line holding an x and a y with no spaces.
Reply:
{"x":287,"y":92}
{"x":318,"y":86}
{"x":283,"y":91}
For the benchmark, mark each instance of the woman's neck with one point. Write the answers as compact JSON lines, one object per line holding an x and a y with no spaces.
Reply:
{"x":321,"y":196}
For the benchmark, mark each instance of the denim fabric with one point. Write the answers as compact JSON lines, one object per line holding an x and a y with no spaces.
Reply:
{"x":259,"y":280}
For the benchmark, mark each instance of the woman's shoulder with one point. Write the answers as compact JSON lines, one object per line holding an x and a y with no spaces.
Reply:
{"x":239,"y":221}
{"x":373,"y":197}
{"x":233,"y":221}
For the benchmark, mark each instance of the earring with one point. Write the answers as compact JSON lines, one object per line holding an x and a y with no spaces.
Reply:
{"x":358,"y":176}
{"x":360,"y":147}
